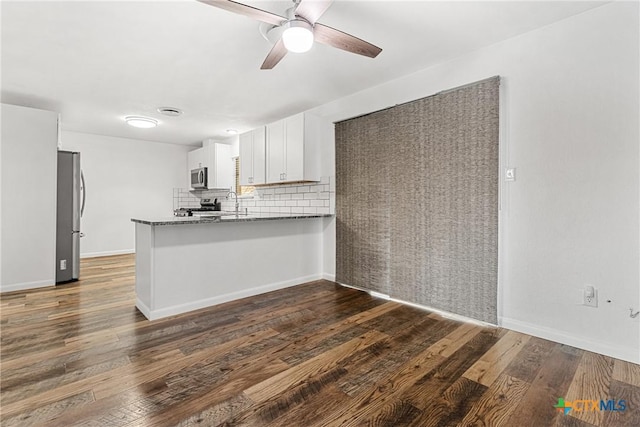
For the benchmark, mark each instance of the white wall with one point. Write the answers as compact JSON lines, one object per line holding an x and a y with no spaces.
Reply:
{"x":125,"y":178}
{"x":569,"y":124}
{"x":29,"y":175}
{"x":328,"y":169}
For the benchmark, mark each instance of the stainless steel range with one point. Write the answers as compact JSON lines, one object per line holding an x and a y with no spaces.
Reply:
{"x":206,"y":206}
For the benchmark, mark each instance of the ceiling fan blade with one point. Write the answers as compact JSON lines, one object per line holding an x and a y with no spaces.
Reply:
{"x":275,"y":55}
{"x":336,"y":38}
{"x":312,"y":10}
{"x":249,"y":11}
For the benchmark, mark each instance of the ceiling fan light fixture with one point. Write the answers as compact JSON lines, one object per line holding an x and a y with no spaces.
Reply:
{"x":141,"y":122}
{"x":297,"y":36}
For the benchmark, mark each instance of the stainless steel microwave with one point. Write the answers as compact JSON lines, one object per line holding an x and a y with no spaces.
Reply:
{"x":199,"y":178}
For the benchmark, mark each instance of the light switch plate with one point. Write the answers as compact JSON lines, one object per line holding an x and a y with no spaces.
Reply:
{"x":510,"y":174}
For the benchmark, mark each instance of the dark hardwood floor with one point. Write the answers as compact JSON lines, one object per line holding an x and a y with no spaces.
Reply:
{"x":314,"y":355}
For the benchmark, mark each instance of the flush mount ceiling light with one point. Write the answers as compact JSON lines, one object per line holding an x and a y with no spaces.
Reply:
{"x":170,"y":111}
{"x":297,"y":36}
{"x":141,"y":122}
{"x":232,"y":131}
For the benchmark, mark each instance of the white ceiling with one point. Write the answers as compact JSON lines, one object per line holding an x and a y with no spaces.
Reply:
{"x":96,"y":62}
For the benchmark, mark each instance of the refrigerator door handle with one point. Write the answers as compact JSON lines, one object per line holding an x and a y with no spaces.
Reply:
{"x":84,"y":194}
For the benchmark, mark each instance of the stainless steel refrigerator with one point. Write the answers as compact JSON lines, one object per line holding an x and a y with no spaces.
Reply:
{"x":70,"y":207}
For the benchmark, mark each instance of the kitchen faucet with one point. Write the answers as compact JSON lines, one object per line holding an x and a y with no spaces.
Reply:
{"x":235,"y":194}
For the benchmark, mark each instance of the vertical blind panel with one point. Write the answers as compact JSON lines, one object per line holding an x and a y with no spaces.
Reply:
{"x":363,"y":221}
{"x":417,"y":201}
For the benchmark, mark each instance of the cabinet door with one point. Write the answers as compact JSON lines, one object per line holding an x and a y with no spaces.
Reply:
{"x":275,"y":152}
{"x":259,"y":160}
{"x":294,"y":148}
{"x":222,"y":166}
{"x":247,"y":158}
{"x":196,"y":158}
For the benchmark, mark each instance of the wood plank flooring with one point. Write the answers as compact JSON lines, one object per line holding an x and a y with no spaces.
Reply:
{"x":313,"y":355}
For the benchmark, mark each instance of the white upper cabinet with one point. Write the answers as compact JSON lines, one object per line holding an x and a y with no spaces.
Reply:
{"x":196,"y":159}
{"x":246,"y":158}
{"x":217,"y":159}
{"x":293,"y":148}
{"x":275,"y":151}
{"x":252,"y":157}
{"x":221,"y":167}
{"x":296,"y":142}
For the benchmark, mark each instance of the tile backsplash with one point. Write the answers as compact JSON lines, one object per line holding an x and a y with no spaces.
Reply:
{"x":183,"y":198}
{"x":315,"y":197}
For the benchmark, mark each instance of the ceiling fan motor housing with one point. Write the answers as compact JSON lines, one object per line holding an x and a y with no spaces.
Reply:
{"x":297,"y":22}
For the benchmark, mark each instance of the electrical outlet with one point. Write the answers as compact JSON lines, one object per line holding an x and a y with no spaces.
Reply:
{"x":510,"y":174}
{"x":63,"y":264}
{"x":590,"y":296}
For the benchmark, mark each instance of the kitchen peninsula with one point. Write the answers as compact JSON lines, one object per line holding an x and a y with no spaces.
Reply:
{"x":187,"y":263}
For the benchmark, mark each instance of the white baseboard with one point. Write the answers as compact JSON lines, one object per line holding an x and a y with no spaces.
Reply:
{"x":219,"y":299}
{"x":27,"y":285}
{"x":619,"y":352}
{"x":107,"y":253}
{"x":143,"y":308}
{"x":327,"y":276}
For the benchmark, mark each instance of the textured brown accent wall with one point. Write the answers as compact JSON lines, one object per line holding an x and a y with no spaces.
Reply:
{"x":417,"y":201}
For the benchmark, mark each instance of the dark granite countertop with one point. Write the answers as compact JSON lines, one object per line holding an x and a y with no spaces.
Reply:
{"x":225,"y":217}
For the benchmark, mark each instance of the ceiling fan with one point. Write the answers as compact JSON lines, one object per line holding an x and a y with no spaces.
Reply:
{"x":299,"y":29}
